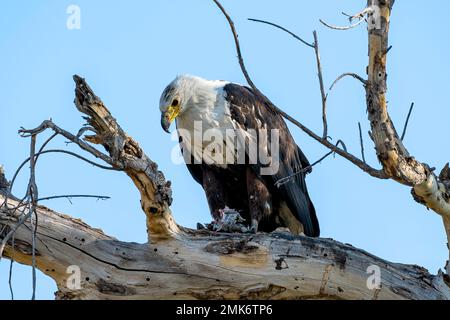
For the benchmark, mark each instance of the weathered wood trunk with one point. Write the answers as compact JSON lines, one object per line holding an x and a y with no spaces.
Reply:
{"x":427,"y":188}
{"x":204,"y":265}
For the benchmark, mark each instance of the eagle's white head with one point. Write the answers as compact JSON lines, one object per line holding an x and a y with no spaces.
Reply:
{"x":188,"y":97}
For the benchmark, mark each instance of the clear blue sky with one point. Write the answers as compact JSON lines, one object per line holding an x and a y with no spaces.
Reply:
{"x":129,"y":50}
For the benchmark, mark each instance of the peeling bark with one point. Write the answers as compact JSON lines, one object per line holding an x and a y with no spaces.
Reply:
{"x":428,"y":189}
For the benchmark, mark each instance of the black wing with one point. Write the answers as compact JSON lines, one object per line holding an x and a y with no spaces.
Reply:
{"x":195,"y":170}
{"x":250,"y":112}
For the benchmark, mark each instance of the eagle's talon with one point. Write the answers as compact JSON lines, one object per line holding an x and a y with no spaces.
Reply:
{"x":254,"y":227}
{"x":201,"y":226}
{"x":229,"y":220}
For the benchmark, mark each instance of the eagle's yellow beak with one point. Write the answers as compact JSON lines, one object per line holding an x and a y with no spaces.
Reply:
{"x":169,"y":116}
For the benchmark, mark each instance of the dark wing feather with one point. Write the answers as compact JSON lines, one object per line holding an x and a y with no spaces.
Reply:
{"x":246,"y":109}
{"x":195,"y":170}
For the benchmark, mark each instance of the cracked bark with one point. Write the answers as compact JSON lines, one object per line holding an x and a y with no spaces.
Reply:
{"x":427,"y":188}
{"x":204,"y":265}
{"x":179,"y":263}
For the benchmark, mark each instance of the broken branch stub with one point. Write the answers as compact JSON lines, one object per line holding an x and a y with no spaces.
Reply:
{"x":125,"y":152}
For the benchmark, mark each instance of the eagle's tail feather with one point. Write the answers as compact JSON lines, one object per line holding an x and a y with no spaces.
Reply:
{"x":302,"y":206}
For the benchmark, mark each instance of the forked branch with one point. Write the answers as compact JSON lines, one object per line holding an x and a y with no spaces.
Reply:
{"x":398,"y":164}
{"x":325,"y":142}
{"x":124,"y":154}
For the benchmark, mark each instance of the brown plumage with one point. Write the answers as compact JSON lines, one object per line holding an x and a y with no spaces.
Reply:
{"x":242,"y":187}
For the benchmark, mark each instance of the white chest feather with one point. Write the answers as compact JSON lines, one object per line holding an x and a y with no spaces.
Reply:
{"x":205,"y":124}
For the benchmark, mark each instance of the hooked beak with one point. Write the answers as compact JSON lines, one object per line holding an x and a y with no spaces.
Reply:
{"x":165,"y":123}
{"x":168,"y":117}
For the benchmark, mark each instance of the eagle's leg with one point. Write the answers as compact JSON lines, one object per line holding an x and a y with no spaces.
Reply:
{"x":259,"y":200}
{"x":215,"y":193}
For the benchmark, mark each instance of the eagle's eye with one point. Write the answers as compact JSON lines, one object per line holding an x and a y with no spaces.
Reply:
{"x":175,"y":103}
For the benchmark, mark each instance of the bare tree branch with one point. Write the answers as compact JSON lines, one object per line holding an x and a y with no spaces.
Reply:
{"x":361,"y":142}
{"x":32,"y":195}
{"x":405,"y":127}
{"x":285,"y":30}
{"x":48,"y":124}
{"x":238,"y":48}
{"x":125,"y":154}
{"x":360,"y":16}
{"x":315,"y":46}
{"x":349,"y":74}
{"x":70,"y":196}
{"x":285,"y":180}
{"x":322,"y":87}
{"x":11,"y":265}
{"x":73,"y":154}
{"x":341,"y":28}
{"x":359,"y":163}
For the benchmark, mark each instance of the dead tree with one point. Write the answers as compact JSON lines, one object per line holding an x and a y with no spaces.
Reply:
{"x":179,"y":263}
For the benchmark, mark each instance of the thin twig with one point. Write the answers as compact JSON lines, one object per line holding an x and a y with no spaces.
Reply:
{"x":48,"y":124}
{"x":322,"y":87}
{"x":66,"y":196}
{"x":64,"y":152}
{"x":54,"y":135}
{"x":349,"y":74}
{"x":361,"y":142}
{"x":285,"y":30}
{"x":315,"y":46}
{"x":81,"y":158}
{"x":359,"y":16}
{"x":349,"y":16}
{"x":32,"y":187}
{"x":70,"y":196}
{"x":11,"y":289}
{"x":405,"y":127}
{"x":83,"y":130}
{"x":285,"y":180}
{"x":359,"y":163}
{"x":388,"y":49}
{"x":342,"y":143}
{"x":342,"y":28}
{"x":25,"y":162}
{"x":33,"y":196}
{"x":238,"y":47}
{"x":82,"y":144}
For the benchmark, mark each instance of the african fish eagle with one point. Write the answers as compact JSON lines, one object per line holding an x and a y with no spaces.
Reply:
{"x":198,"y":106}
